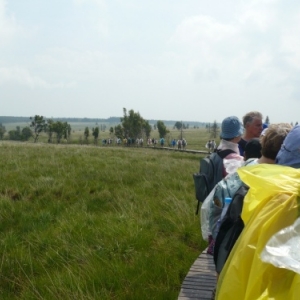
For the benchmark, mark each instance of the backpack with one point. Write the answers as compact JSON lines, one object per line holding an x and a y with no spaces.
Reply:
{"x":230,"y":229}
{"x":211,"y":172}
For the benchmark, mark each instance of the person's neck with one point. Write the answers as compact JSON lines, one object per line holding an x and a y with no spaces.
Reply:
{"x":265,"y":160}
{"x":247,"y":137}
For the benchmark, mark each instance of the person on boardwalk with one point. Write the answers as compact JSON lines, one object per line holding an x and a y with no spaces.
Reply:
{"x":208,"y":146}
{"x":231,"y":225}
{"x":265,"y":212}
{"x":213,"y":146}
{"x":253,"y":125}
{"x":179,"y":144}
{"x":173,"y":143}
{"x":252,"y":149}
{"x":255,"y":153}
{"x":231,"y":132}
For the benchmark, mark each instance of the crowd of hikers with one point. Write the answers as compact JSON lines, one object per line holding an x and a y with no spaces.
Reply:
{"x":250,"y":215}
{"x":139,"y":142}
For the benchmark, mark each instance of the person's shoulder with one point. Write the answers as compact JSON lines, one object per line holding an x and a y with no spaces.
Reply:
{"x":234,"y":155}
{"x":242,"y":142}
{"x":251,"y":162}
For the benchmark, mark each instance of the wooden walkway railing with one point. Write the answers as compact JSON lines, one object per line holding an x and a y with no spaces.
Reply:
{"x":200,"y":280}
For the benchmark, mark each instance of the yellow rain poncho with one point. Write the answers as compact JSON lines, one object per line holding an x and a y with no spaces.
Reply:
{"x":271,"y":204}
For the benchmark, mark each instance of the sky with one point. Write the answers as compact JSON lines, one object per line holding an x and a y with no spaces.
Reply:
{"x":190,"y":60}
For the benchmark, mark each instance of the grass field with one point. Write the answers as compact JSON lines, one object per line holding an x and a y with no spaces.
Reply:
{"x":86,"y":222}
{"x":196,"y":137}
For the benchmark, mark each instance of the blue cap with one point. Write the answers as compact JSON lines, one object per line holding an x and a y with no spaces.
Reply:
{"x":289,"y":154}
{"x":231,"y":128}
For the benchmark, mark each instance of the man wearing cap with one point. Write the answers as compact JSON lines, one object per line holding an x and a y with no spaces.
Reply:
{"x":253,"y":125}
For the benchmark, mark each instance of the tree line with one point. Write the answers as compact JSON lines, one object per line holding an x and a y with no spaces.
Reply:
{"x":132,"y":125}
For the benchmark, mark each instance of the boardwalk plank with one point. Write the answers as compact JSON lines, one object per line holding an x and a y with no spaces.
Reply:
{"x":200,"y":280}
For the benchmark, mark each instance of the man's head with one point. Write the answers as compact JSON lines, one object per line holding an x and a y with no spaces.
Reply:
{"x":253,"y":125}
{"x":289,"y":154}
{"x":274,"y":137}
{"x":231,"y":129}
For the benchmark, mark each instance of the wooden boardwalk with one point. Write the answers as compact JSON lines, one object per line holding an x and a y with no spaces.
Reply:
{"x":200,"y":280}
{"x":179,"y":150}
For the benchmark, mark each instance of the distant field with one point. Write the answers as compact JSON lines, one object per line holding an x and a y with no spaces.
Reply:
{"x":196,"y":138}
{"x":85,"y":222}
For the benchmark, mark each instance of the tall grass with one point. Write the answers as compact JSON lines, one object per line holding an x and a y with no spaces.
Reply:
{"x":81,"y":222}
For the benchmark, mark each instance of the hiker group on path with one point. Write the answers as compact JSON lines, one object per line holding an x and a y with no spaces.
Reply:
{"x":139,"y":142}
{"x":249,"y":192}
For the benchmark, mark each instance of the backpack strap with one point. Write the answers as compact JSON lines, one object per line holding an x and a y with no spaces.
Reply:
{"x":224,"y":153}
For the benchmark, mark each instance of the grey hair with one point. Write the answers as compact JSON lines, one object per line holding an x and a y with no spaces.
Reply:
{"x":250,"y":116}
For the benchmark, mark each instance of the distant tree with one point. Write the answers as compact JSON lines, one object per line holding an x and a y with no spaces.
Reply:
{"x":86,"y":133}
{"x":132,"y":124}
{"x":146,"y":129}
{"x":38,"y":123}
{"x":178,"y":125}
{"x":154,"y":127}
{"x":68,"y":131}
{"x":95,"y":133}
{"x":26,"y":133}
{"x":2,"y":131}
{"x":207,"y":126}
{"x":162,"y":129}
{"x":49,"y":130}
{"x":12,"y":135}
{"x":119,"y":131}
{"x":111,"y":130}
{"x":15,"y":135}
{"x":61,"y":129}
{"x":214,"y":130}
{"x":267,"y":121}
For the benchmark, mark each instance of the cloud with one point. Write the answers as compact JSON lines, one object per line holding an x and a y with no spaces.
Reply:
{"x":290,"y":42}
{"x":202,"y":29}
{"x":17,"y":75}
{"x":95,"y":2}
{"x":95,"y":16}
{"x":69,"y":63}
{"x":257,"y":14}
{"x":8,"y":25}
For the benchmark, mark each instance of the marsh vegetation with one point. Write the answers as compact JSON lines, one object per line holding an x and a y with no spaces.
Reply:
{"x":88,"y":222}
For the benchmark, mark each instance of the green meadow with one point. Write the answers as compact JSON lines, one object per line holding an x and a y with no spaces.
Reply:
{"x":94,"y":222}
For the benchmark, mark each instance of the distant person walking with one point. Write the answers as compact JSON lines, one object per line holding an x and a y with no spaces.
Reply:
{"x":179,"y":143}
{"x":208,"y":146}
{"x":213,"y":146}
{"x":173,"y":143}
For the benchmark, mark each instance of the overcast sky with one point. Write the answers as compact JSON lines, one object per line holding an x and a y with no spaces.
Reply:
{"x":191,"y":60}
